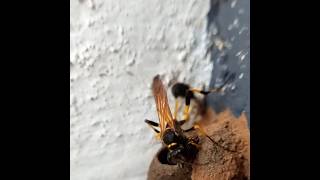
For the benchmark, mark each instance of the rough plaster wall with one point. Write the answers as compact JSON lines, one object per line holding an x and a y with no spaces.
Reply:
{"x":116,"y":48}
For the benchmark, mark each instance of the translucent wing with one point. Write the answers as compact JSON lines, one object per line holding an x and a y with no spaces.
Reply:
{"x":163,"y":109}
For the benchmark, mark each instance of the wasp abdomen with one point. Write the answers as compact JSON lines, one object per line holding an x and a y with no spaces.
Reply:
{"x":180,"y":90}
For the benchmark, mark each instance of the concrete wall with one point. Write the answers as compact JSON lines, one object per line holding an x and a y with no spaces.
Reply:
{"x":116,"y":48}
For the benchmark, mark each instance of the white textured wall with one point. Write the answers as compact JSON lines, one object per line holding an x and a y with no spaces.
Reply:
{"x":116,"y":48}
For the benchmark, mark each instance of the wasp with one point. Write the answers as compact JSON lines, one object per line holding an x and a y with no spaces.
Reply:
{"x":182,"y":90}
{"x":177,"y":147}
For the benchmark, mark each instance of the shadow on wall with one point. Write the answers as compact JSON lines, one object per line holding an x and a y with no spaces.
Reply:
{"x":229,"y":22}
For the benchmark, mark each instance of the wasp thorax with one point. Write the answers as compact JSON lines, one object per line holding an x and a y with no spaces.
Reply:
{"x":169,"y":137}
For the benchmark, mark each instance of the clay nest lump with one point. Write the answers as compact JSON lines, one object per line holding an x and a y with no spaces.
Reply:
{"x":212,"y":161}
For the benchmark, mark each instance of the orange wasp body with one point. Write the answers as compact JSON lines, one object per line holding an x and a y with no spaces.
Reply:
{"x":178,"y":148}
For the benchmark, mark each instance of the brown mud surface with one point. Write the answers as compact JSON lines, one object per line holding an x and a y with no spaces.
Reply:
{"x":229,"y":160}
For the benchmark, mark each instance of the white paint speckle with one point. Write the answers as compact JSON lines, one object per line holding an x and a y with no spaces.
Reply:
{"x":242,"y":57}
{"x":233,"y":87}
{"x":182,"y":56}
{"x":241,"y":11}
{"x":241,"y":76}
{"x":233,"y":3}
{"x":235,"y":24}
{"x":130,"y":62}
{"x":242,"y":54}
{"x":243,"y":29}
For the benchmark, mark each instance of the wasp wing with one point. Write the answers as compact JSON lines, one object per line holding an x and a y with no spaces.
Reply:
{"x":163,"y":109}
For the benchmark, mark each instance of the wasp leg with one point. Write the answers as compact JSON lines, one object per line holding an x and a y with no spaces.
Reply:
{"x":205,"y":92}
{"x":200,"y":131}
{"x":153,"y":125}
{"x":194,"y":141}
{"x":189,"y":95}
{"x":191,"y":129}
{"x":229,"y":77}
{"x":176,"y":109}
{"x":195,"y":144}
{"x":177,"y":106}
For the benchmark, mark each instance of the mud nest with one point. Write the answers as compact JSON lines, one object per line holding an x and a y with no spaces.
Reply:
{"x":228,"y":161}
